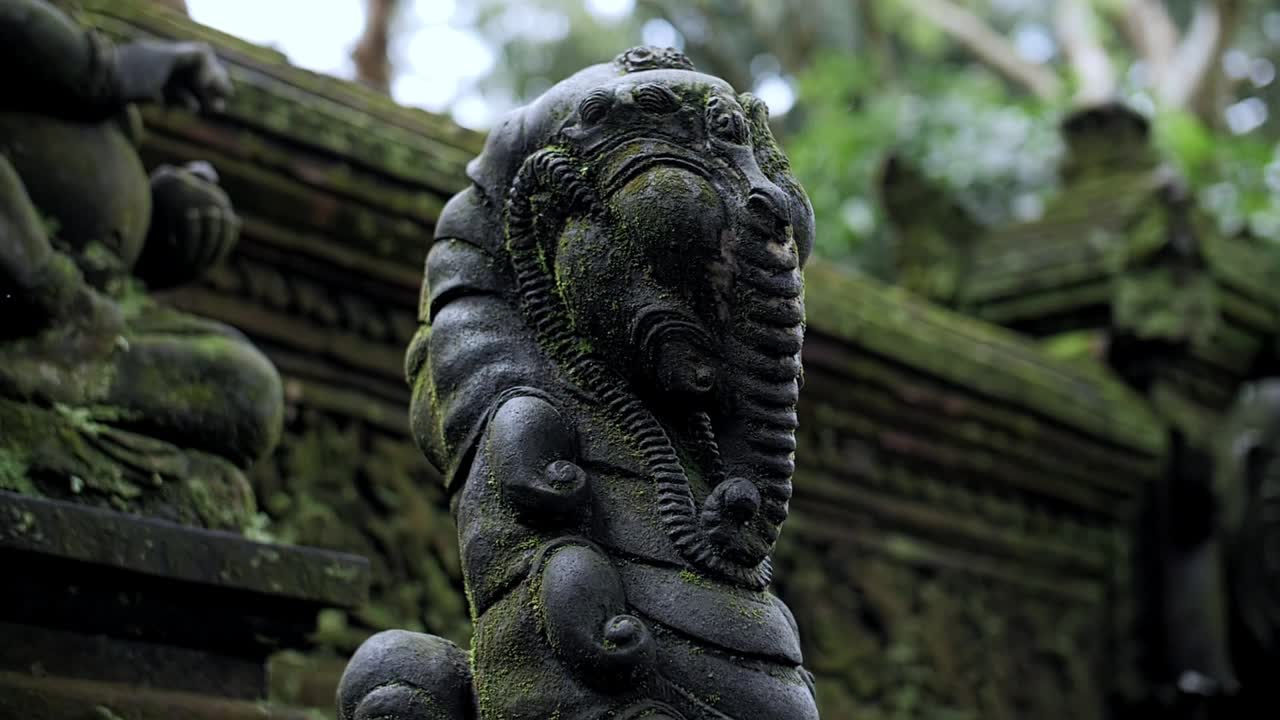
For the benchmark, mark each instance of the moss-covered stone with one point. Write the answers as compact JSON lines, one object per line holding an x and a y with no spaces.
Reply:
{"x":78,"y":454}
{"x":961,"y":493}
{"x":108,"y":397}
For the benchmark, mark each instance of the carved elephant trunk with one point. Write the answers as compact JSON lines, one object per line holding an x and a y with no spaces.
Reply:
{"x":607,"y":376}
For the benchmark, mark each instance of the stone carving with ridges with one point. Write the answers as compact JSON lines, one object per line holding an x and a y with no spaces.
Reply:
{"x":607,"y":375}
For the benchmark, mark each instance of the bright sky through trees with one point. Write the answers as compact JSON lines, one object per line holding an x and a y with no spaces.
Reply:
{"x":440,"y":54}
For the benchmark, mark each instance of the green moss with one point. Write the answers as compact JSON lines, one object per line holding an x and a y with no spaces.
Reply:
{"x":75,"y":453}
{"x":888,"y":322}
{"x":102,"y":712}
{"x":694,"y":578}
{"x":14,"y":471}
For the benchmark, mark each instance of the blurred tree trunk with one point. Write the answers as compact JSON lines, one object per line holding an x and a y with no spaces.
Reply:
{"x":1077,"y":28}
{"x":373,"y":65}
{"x":879,"y":41}
{"x":989,"y":46}
{"x":1152,"y":33}
{"x":1195,"y":80}
{"x":1185,"y":68}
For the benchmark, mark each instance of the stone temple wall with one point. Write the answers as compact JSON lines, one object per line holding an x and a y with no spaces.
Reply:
{"x":963,"y":516}
{"x":960,"y":542}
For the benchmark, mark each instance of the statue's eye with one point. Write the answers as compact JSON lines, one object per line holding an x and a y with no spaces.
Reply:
{"x":725,"y":121}
{"x":656,"y":99}
{"x":595,"y":106}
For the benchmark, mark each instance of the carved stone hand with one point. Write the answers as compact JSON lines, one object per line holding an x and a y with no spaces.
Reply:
{"x":193,"y":225}
{"x":187,"y":74}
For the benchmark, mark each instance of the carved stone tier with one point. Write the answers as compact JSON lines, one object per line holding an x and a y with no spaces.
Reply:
{"x":961,"y":538}
{"x":107,"y":615}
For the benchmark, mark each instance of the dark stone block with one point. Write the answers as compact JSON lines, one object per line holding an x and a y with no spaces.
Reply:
{"x":105,"y":597}
{"x":50,"y":698}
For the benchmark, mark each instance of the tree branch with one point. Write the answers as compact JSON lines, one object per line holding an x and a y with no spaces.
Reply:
{"x":373,"y":66}
{"x":1153,"y":34}
{"x":713,"y":53}
{"x":879,"y":40}
{"x":1194,"y":68}
{"x":1077,"y":28}
{"x":989,"y":46}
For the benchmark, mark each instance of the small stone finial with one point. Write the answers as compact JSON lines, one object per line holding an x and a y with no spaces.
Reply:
{"x":1106,"y":138}
{"x":648,"y":57}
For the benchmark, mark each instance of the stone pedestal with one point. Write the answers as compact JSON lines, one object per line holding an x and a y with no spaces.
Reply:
{"x":106,"y":615}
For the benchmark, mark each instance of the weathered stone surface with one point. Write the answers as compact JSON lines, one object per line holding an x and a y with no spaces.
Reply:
{"x":607,"y":375}
{"x":103,"y":572}
{"x":1182,"y":312}
{"x":960,"y":541}
{"x":939,"y":458}
{"x":44,"y":698}
{"x":1242,"y":554}
{"x":165,"y":550}
{"x":107,"y":609}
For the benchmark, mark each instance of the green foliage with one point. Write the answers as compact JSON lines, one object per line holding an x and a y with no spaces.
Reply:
{"x":1237,"y":177}
{"x":542,"y":41}
{"x":879,"y":77}
{"x":993,"y":149}
{"x":837,"y":154}
{"x":994,"y":152}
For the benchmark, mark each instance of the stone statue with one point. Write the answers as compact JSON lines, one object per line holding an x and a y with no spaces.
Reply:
{"x":934,"y":236}
{"x":106,"y":397}
{"x":607,"y":377}
{"x":1247,"y":539}
{"x":1221,"y":567}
